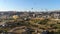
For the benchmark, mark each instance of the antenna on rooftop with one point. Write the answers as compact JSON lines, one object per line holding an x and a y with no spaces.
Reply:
{"x":46,"y":10}
{"x":32,"y":9}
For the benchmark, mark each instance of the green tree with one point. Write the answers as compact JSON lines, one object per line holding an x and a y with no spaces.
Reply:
{"x":43,"y":21}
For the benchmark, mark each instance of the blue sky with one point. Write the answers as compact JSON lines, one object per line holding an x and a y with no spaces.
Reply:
{"x":28,"y":4}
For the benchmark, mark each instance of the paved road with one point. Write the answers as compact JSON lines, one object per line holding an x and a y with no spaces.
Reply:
{"x":16,"y":28}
